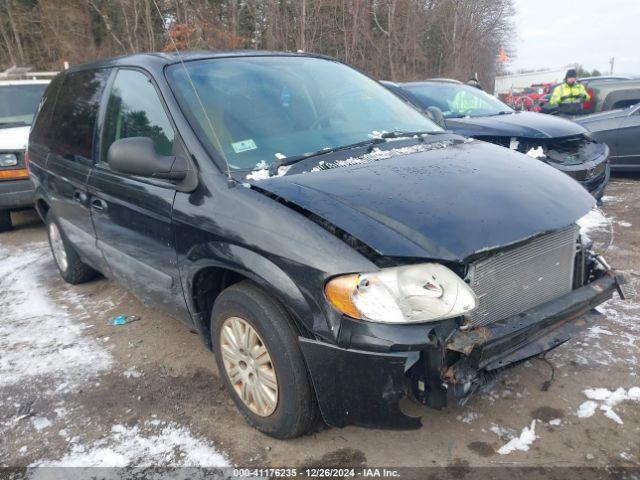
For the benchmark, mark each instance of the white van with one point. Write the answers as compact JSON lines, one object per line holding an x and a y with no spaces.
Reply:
{"x":19,"y":100}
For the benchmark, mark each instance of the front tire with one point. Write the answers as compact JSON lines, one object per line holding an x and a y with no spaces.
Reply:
{"x":5,"y":221}
{"x":257,"y":354}
{"x":71,"y":268}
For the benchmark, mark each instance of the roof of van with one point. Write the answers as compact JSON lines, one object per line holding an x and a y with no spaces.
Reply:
{"x":160,"y":59}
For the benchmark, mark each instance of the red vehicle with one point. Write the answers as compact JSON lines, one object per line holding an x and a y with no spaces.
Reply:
{"x":528,"y":99}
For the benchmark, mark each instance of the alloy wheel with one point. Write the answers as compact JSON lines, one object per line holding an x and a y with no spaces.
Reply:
{"x":57,"y":247}
{"x":249,"y":366}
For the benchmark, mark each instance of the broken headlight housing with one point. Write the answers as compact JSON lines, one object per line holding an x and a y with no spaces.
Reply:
{"x":410,"y":294}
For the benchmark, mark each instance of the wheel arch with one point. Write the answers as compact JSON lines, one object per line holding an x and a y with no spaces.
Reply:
{"x":208,"y":277}
{"x":42,"y":207}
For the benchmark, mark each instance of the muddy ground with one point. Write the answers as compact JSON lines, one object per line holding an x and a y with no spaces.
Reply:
{"x":75,"y":390}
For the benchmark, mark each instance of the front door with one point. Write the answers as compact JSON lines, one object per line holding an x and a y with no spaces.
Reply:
{"x":132,"y":215}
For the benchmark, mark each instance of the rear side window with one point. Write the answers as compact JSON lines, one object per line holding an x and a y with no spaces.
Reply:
{"x":42,"y":125}
{"x":74,"y":118}
{"x":135,"y":110}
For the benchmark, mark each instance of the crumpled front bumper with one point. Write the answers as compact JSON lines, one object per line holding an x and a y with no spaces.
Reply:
{"x":593,"y":172}
{"x":530,"y":333}
{"x":360,"y":387}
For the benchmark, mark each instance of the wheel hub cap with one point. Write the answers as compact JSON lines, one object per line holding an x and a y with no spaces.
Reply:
{"x":57,"y":247}
{"x":249,"y":366}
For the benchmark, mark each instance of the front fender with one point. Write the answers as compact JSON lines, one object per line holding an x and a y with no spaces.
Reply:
{"x":253,"y":266}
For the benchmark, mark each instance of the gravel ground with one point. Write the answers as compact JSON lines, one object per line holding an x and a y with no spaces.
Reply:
{"x":75,"y":390}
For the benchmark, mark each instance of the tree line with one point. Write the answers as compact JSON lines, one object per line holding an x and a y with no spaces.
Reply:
{"x":389,"y":39}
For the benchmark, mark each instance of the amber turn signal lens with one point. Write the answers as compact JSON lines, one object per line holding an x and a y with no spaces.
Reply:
{"x":339,"y":292}
{"x":14,"y":174}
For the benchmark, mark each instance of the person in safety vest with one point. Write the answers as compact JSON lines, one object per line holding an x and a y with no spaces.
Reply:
{"x":569,"y":96}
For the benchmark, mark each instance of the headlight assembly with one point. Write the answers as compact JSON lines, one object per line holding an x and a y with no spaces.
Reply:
{"x":8,"y":160}
{"x":408,"y":294}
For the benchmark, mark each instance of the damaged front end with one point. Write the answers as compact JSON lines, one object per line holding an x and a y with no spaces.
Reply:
{"x":363,"y":378}
{"x":580,"y":157}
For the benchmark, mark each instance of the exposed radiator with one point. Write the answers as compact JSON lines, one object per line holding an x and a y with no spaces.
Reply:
{"x":516,"y":280}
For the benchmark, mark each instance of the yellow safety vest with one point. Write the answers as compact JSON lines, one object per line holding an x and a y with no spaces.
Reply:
{"x":566,"y":93}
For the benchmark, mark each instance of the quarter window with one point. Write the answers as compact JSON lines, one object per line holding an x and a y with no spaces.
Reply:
{"x":74,"y":116}
{"x":135,"y":110}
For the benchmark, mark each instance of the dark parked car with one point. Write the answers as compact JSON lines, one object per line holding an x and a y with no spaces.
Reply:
{"x":620,"y":129}
{"x":331,"y":267}
{"x":468,"y":111}
{"x":19,"y":101}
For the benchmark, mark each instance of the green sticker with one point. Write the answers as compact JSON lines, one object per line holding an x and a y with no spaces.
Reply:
{"x":244,"y":145}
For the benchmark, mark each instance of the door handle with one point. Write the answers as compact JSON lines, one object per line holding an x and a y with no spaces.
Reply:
{"x":98,"y":205}
{"x":79,"y":196}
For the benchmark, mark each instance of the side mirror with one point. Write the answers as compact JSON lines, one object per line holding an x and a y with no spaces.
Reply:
{"x":137,"y":156}
{"x":435,"y":114}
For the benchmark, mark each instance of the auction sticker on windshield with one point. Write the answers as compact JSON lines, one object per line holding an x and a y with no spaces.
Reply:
{"x":244,"y":145}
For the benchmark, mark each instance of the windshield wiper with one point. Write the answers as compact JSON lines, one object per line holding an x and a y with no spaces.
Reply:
{"x":404,"y":134}
{"x":283,"y":162}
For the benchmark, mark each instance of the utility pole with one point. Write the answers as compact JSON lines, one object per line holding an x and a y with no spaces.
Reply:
{"x":613,"y":59}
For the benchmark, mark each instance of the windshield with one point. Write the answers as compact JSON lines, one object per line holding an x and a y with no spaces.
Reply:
{"x":456,"y":101}
{"x":18,"y":103}
{"x":258,"y":110}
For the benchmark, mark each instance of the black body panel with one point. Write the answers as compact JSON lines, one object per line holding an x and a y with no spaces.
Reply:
{"x":620,"y":129}
{"x":290,"y":234}
{"x":445,"y":204}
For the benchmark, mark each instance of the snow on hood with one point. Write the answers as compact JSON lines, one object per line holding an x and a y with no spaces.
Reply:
{"x":15,"y":138}
{"x":444,"y":204}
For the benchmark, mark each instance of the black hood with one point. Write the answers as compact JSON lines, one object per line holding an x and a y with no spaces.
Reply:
{"x":521,"y":124}
{"x":444,"y":204}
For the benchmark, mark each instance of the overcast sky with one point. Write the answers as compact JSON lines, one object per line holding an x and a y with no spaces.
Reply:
{"x":554,"y":33}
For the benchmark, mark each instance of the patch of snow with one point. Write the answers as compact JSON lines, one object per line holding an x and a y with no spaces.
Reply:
{"x":263,"y":172}
{"x":37,"y":338}
{"x":622,"y":223}
{"x":609,"y":413}
{"x":522,"y":443}
{"x":610,"y":399}
{"x":596,"y":330}
{"x":587,"y":409}
{"x":504,"y":433}
{"x":555,"y":422}
{"x":593,"y":221}
{"x":536,"y":152}
{"x":378,"y":154}
{"x":468,"y":417}
{"x":172,"y":446}
{"x":613,"y":398}
{"x":132,"y":373}
{"x":609,"y":199}
{"x":40,"y":423}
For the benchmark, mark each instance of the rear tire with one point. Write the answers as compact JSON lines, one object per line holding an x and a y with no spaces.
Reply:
{"x":71,"y":268}
{"x":288,"y":410}
{"x":5,"y":221}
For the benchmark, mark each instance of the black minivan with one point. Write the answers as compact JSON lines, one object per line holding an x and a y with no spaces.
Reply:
{"x":336,"y":250}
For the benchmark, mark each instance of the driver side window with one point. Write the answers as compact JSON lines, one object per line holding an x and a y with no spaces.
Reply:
{"x":135,"y":110}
